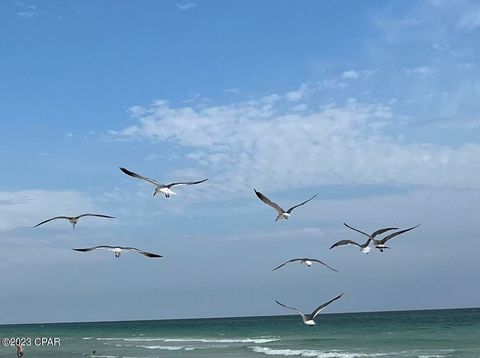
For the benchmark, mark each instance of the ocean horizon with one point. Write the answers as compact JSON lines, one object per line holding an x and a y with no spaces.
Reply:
{"x":438,"y":333}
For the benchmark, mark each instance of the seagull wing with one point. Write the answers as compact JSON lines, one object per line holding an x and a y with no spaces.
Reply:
{"x":291,"y":308}
{"x":144,"y":253}
{"x":321,"y":307}
{"x":381,"y":231}
{"x":286,"y":262}
{"x":296,"y":206}
{"x":361,"y":232}
{"x":269,"y":202}
{"x":97,"y":215}
{"x":185,"y":183}
{"x":391,"y":236}
{"x":138,"y":176}
{"x":344,"y":242}
{"x":323,"y":263}
{"x":55,"y":218}
{"x":103,"y":247}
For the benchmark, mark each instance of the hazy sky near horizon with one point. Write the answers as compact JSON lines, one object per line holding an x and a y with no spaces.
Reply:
{"x":374,"y":105}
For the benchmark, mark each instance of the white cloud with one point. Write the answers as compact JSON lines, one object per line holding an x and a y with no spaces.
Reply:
{"x":470,"y":21}
{"x":186,"y":6}
{"x":421,"y":71}
{"x":297,"y":95}
{"x":26,"y":14}
{"x":351,"y":74}
{"x":264,"y":143}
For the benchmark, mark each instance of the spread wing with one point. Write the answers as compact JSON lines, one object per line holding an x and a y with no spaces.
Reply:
{"x":103,"y":247}
{"x":323,"y":263}
{"x":361,"y":232}
{"x":345,"y":242}
{"x":97,"y":215}
{"x":296,"y":206}
{"x":321,"y":307}
{"x":269,"y":202}
{"x":55,"y":218}
{"x":381,"y":231}
{"x":286,"y":262}
{"x":391,"y":236}
{"x":291,"y":308}
{"x":185,"y":183}
{"x":144,"y":253}
{"x":138,"y":176}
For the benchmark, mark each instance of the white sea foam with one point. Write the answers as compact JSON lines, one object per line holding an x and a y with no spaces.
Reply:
{"x":313,"y":353}
{"x":167,"y":348}
{"x":258,"y":340}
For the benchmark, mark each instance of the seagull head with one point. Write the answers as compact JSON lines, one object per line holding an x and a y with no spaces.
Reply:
{"x":308,"y":263}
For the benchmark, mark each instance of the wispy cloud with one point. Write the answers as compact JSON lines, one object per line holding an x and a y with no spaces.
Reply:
{"x":28,"y":10}
{"x":186,"y":5}
{"x":27,"y":207}
{"x":265,"y":142}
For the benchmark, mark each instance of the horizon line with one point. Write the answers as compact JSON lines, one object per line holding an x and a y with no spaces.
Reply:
{"x":233,"y":317}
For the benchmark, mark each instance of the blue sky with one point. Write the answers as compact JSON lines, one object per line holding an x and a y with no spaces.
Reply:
{"x":373,"y":105}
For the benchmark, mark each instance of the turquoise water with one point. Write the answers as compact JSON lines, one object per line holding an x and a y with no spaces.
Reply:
{"x":408,"y":334}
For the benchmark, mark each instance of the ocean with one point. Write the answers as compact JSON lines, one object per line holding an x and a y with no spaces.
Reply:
{"x":405,"y":334}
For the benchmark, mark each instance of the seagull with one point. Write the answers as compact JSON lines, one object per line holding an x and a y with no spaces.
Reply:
{"x":305,"y":261}
{"x":74,"y":219}
{"x":282,"y":214}
{"x":117,"y":250}
{"x":380,"y":244}
{"x":163,"y":188}
{"x":363,"y":247}
{"x":308,"y":319}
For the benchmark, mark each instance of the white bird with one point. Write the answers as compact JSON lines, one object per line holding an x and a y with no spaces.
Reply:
{"x":282,"y":214}
{"x":363,"y":247}
{"x":74,"y":219}
{"x":117,"y":250}
{"x":380,"y":244}
{"x":305,"y":261}
{"x":161,"y":188}
{"x":308,"y":319}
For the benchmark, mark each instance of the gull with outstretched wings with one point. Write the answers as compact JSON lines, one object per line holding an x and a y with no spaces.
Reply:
{"x":74,"y":219}
{"x":365,"y":246}
{"x":305,"y":261}
{"x":282,"y":214}
{"x":161,"y":188}
{"x":117,"y":250}
{"x":380,"y":244}
{"x":309,"y":319}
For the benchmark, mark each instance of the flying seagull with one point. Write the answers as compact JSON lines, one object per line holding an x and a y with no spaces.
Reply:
{"x":282,"y":214}
{"x":363,"y":247}
{"x":305,"y":261}
{"x":308,"y":319}
{"x":380,"y":244}
{"x":163,"y":188}
{"x":74,"y":219}
{"x":117,"y":250}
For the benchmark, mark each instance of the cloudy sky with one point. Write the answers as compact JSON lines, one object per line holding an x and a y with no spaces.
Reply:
{"x":373,"y":105}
